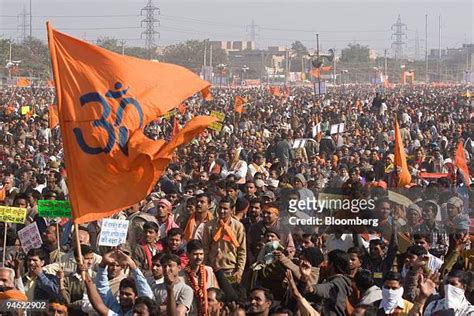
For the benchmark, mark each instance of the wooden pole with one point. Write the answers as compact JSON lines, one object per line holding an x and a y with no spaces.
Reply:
{"x":78,"y":247}
{"x":4,"y":245}
{"x":58,"y":241}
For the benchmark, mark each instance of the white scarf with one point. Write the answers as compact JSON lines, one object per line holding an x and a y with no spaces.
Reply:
{"x":391,"y":299}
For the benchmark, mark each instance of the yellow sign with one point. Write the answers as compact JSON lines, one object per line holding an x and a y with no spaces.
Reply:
{"x":12,"y":214}
{"x":217,"y":126}
{"x":25,"y":110}
{"x":171,"y":113}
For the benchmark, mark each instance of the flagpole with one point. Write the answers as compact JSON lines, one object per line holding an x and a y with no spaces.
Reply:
{"x":78,"y":247}
{"x":4,"y":244}
{"x":58,"y":241}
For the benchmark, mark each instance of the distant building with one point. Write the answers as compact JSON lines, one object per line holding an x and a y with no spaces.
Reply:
{"x":233,"y":46}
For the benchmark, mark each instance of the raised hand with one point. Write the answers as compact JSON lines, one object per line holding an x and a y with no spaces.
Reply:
{"x":292,"y":285}
{"x":305,"y":270}
{"x":124,"y":259}
{"x":427,"y":285}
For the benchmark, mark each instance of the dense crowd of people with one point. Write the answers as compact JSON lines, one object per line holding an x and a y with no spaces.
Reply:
{"x":229,"y":228}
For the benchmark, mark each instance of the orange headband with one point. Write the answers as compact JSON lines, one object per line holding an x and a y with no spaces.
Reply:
{"x":59,"y":307}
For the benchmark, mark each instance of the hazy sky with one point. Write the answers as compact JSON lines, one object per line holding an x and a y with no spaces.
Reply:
{"x":279,"y":22}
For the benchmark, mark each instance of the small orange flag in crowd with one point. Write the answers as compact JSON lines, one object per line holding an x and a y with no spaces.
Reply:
{"x":206,"y":94}
{"x":53,"y":115}
{"x":315,"y":72}
{"x":404,"y":177}
{"x":326,"y":68}
{"x":239,"y":104}
{"x":176,"y":126}
{"x":105,"y":100}
{"x":275,"y":91}
{"x":461,"y":163}
{"x":50,"y":83}
{"x":23,"y":82}
{"x":182,"y":108}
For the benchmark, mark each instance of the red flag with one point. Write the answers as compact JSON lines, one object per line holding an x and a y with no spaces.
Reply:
{"x":326,"y":68}
{"x":105,"y":100}
{"x":275,"y":91}
{"x":182,"y":108}
{"x":460,"y":162}
{"x":53,"y":115}
{"x":239,"y":104}
{"x":404,"y":177}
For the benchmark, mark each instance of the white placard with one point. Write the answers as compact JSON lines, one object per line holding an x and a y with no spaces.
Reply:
{"x":113,"y":232}
{"x":316,"y":129}
{"x":30,"y":237}
{"x":337,"y":128}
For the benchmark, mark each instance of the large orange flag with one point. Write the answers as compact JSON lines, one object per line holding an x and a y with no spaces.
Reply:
{"x":53,"y":115}
{"x":239,"y":104}
{"x":404,"y":177}
{"x":23,"y":82}
{"x":105,"y":100}
{"x":461,"y":163}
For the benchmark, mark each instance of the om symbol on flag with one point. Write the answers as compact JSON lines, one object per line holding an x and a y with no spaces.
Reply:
{"x":123,"y":135}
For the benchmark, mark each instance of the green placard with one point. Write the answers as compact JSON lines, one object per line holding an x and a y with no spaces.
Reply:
{"x":52,"y":208}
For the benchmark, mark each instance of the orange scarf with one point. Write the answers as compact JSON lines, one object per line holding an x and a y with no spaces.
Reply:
{"x":226,"y":232}
{"x":189,"y":230}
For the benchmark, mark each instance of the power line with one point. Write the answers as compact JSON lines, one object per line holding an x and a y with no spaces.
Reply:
{"x":253,"y":30}
{"x":77,"y":16}
{"x":150,"y":21}
{"x":399,"y":35}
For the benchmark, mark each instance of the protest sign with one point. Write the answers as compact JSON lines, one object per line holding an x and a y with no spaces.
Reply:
{"x":337,"y":128}
{"x":52,"y":208}
{"x":30,"y":237}
{"x":25,"y":110}
{"x":113,"y":232}
{"x":217,"y":126}
{"x":12,"y":214}
{"x":171,"y":113}
{"x":317,"y":129}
